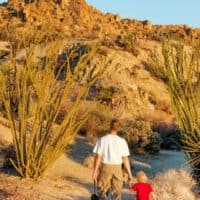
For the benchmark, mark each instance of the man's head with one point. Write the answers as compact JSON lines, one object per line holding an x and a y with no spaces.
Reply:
{"x":115,"y":125}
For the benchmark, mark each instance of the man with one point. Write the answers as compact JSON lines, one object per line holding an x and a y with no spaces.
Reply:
{"x":112,"y":151}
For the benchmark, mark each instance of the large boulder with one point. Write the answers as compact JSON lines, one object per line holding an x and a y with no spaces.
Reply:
{"x":5,"y":136}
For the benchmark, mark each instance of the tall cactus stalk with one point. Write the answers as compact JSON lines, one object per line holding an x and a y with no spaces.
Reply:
{"x":180,"y":69}
{"x":39,"y":93}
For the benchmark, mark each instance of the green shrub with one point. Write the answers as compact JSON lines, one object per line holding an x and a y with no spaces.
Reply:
{"x":140,"y":137}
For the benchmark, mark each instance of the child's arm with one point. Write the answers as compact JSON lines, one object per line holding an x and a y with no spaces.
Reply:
{"x":152,"y":196}
{"x":133,"y":188}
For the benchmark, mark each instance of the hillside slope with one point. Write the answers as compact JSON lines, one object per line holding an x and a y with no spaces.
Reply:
{"x":128,"y":90}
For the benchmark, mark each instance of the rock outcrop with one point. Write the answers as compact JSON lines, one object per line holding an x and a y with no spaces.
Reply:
{"x":82,"y":20}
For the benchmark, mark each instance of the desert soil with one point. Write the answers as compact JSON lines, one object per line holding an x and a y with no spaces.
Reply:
{"x":69,"y":179}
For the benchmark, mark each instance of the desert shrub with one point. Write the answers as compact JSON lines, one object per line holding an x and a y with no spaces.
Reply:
{"x":108,"y":43}
{"x":128,"y":43}
{"x":40,"y":94}
{"x":162,"y":105}
{"x":174,"y":184}
{"x":98,"y":122}
{"x":140,"y":137}
{"x":96,"y":28}
{"x":105,"y":95}
{"x":172,"y":141}
{"x":154,"y":145}
{"x":170,"y":134}
{"x":22,"y":37}
{"x":155,"y":66}
{"x":181,"y":67}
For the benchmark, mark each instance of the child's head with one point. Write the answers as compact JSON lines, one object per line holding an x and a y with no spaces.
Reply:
{"x":141,"y":177}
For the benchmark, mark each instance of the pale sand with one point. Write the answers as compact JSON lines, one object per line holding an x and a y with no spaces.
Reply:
{"x":67,"y":179}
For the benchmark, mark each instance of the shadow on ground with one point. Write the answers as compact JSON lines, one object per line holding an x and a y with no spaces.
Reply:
{"x":80,"y":149}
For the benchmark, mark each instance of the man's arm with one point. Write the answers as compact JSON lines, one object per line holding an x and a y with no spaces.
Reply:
{"x":128,"y":167}
{"x":97,"y":164}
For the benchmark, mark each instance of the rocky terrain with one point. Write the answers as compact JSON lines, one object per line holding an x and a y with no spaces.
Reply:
{"x":127,"y":90}
{"x":75,"y":18}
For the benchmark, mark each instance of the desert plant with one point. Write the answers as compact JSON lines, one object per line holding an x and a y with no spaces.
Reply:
{"x":128,"y":42}
{"x":40,"y":94}
{"x":140,"y":136}
{"x":176,"y":184}
{"x":97,"y":123}
{"x":105,"y":95}
{"x":180,"y":66}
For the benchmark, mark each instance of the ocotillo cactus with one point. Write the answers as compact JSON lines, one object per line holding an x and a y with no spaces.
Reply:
{"x":39,"y":93}
{"x":179,"y":67}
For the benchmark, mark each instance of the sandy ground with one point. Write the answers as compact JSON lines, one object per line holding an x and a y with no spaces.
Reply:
{"x":66,"y":179}
{"x":69,"y":179}
{"x":76,"y":178}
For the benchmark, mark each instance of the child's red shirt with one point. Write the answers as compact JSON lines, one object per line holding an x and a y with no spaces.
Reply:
{"x":143,"y":190}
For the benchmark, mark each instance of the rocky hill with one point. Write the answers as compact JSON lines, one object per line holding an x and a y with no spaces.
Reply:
{"x":75,"y":18}
{"x":127,"y":90}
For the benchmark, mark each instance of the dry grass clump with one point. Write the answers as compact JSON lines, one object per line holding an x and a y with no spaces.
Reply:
{"x":174,"y":185}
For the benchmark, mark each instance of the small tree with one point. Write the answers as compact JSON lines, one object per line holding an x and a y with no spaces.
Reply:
{"x":33,"y":94}
{"x":179,"y":67}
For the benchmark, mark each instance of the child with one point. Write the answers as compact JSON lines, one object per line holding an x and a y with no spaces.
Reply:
{"x":143,"y":189}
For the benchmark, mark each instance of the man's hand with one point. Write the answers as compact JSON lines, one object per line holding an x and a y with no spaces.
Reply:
{"x":131,"y":181}
{"x":97,"y":163}
{"x":95,"y":176}
{"x":128,"y":168}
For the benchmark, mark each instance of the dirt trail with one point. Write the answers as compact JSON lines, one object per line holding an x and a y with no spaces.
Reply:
{"x":67,"y":179}
{"x":74,"y":178}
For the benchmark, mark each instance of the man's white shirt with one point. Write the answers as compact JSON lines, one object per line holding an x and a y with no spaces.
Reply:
{"x":112,"y":148}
